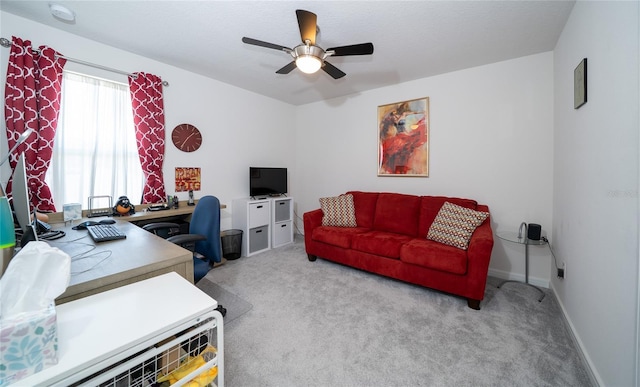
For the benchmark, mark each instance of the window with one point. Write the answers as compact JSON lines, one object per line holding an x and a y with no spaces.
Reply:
{"x":95,"y":151}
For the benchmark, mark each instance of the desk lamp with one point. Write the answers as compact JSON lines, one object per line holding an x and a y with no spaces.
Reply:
{"x":7,"y":232}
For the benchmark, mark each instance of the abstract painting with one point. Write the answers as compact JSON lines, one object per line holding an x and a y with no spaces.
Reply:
{"x":403,"y":138}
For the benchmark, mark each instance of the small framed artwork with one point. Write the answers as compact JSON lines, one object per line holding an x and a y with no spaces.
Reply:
{"x":71,"y":211}
{"x":403,"y":138}
{"x":580,"y":84}
{"x":187,"y":179}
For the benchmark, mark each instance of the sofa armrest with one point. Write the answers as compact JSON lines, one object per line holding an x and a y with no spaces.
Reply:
{"x":312,"y":220}
{"x":479,"y":254}
{"x":481,"y":242}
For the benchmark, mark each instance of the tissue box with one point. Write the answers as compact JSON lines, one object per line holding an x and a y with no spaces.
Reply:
{"x":28,"y":344}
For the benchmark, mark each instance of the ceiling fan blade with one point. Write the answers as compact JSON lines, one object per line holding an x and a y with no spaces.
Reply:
{"x":354,"y":49}
{"x":287,"y":69}
{"x":307,"y":22}
{"x":265,"y":44}
{"x":332,"y":70}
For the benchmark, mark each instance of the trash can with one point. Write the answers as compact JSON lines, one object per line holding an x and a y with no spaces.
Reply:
{"x":231,"y":243}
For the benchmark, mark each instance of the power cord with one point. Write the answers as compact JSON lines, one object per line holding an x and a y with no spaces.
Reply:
{"x":295,"y":215}
{"x":559,"y":270}
{"x":86,"y":254}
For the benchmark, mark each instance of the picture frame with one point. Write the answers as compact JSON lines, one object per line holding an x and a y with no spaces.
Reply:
{"x":580,"y":84}
{"x":187,"y":179}
{"x":403,"y":138}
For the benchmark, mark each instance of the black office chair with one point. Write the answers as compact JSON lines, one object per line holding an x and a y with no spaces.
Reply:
{"x":203,"y":238}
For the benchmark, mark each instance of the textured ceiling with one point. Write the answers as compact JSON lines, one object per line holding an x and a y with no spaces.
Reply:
{"x":412,"y":39}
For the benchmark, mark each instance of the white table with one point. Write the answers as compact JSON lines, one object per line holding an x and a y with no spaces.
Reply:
{"x":520,"y":238}
{"x":98,"y":331}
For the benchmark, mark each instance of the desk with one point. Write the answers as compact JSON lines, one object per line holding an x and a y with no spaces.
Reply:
{"x":184,"y":211}
{"x":96,"y":267}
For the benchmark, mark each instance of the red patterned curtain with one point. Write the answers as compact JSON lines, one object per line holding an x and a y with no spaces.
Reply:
{"x":32,"y":100}
{"x":148,"y":118}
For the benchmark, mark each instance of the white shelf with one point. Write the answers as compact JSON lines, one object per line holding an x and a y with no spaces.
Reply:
{"x":265,"y":223}
{"x":281,"y":221}
{"x":253,"y":217}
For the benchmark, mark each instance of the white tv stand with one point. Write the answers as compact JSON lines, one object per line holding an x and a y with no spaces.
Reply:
{"x":265,"y":222}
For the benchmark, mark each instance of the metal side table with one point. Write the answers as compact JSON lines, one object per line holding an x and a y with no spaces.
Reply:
{"x":521,"y":238}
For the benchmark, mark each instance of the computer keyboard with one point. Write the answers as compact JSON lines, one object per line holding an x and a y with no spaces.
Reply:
{"x":105,"y":232}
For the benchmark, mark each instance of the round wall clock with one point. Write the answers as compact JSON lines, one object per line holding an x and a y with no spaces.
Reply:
{"x":186,"y":137}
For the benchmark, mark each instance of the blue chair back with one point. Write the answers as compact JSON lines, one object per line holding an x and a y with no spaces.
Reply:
{"x":205,"y":220}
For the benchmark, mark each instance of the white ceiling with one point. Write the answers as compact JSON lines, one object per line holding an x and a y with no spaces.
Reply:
{"x":412,"y":39}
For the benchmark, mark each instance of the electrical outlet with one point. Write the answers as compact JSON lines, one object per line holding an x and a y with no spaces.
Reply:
{"x":562,"y":273}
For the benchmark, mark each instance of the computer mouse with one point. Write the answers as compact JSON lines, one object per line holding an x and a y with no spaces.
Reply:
{"x":83,"y":225}
{"x":107,"y":221}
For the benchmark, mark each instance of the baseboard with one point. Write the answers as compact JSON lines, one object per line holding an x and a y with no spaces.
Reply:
{"x":586,"y":360}
{"x":506,"y":275}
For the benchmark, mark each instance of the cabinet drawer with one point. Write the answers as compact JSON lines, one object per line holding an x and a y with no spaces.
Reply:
{"x":258,"y":239}
{"x":282,"y":210}
{"x":258,"y":214}
{"x":282,"y":233}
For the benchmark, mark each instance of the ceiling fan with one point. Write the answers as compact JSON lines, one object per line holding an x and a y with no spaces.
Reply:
{"x":308,"y":57}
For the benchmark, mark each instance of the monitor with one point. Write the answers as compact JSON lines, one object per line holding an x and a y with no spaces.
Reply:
{"x":20,"y":201}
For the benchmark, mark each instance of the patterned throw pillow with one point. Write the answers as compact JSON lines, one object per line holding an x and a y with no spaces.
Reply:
{"x":454,"y":225}
{"x":338,"y":211}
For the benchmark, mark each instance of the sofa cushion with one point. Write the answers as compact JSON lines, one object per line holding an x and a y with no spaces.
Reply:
{"x":454,"y":225}
{"x":336,"y":236}
{"x":434,"y":255}
{"x":380,"y":243}
{"x":365,"y":204}
{"x":397,"y":213}
{"x":430,"y":205}
{"x":338,"y":211}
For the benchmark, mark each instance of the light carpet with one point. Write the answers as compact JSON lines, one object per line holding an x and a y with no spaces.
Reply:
{"x":324,"y":324}
{"x":234,"y":305}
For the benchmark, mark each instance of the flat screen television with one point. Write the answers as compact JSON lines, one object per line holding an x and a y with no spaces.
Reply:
{"x":267,"y":181}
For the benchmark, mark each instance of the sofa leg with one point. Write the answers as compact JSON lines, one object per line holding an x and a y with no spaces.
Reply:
{"x":473,"y":304}
{"x":311,"y":257}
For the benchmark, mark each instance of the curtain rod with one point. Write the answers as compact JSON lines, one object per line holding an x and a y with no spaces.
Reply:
{"x":7,"y":43}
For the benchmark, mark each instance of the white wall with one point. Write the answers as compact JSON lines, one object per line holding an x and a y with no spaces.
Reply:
{"x":595,"y":195}
{"x":236,"y":124}
{"x":490,"y":133}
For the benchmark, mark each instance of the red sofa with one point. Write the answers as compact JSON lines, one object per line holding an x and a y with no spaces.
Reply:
{"x":390,"y":239}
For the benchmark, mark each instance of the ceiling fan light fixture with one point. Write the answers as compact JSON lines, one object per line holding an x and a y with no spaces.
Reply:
{"x":308,"y":64}
{"x":308,"y":58}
